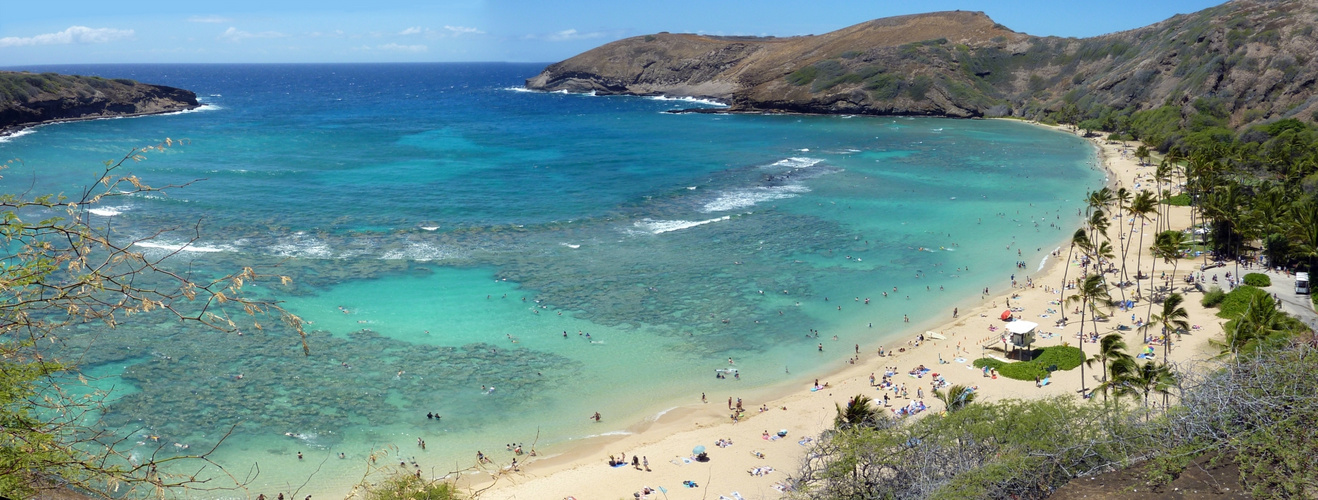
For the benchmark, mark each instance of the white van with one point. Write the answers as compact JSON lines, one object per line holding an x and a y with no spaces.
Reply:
{"x":1302,"y":285}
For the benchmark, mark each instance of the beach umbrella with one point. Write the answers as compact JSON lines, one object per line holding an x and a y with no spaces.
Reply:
{"x":1006,"y":315}
{"x":698,"y":449}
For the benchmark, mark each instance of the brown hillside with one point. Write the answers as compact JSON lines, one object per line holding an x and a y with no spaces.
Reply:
{"x":1254,"y":59}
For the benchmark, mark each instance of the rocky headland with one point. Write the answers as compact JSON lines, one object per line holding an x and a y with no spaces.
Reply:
{"x":28,"y":99}
{"x":1253,"y":58}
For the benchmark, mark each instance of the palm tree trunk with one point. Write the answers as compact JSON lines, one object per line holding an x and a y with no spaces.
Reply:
{"x":1083,"y":303}
{"x":1153,"y":284}
{"x":1139,"y":256}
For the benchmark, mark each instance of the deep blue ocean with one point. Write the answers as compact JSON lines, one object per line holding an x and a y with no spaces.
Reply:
{"x":515,"y":260}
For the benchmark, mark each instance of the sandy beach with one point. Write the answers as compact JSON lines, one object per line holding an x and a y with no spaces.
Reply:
{"x":757,"y":462}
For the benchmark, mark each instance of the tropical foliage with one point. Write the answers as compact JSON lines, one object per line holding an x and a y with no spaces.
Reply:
{"x":409,"y":487}
{"x":60,"y":271}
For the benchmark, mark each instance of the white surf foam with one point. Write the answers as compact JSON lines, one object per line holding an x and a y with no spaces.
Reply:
{"x":795,"y":163}
{"x":660,"y":414}
{"x":570,"y":245}
{"x":15,"y":135}
{"x":695,"y":100}
{"x":199,"y":109}
{"x":302,"y":246}
{"x":610,"y":433}
{"x":182,"y":247}
{"x":107,"y":211}
{"x":738,"y":199}
{"x":420,"y":252}
{"x":665,"y":226}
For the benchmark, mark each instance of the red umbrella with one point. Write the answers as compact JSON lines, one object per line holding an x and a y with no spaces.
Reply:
{"x":1006,"y":315}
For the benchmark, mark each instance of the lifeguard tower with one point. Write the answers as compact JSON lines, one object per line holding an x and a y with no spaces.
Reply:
{"x":1022,"y":336}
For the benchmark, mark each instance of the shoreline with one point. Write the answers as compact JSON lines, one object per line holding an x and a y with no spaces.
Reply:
{"x":9,"y":131}
{"x":580,"y":470}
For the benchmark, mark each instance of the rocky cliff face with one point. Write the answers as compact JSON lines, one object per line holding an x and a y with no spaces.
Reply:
{"x":1254,"y":58}
{"x":28,"y":99}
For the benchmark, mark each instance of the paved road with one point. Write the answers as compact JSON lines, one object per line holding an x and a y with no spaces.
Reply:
{"x":1299,"y":306}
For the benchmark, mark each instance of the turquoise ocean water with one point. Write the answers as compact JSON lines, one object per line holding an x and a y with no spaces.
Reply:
{"x":444,"y":230}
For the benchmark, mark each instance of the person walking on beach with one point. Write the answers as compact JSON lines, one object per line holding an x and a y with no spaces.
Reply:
{"x":702,"y":398}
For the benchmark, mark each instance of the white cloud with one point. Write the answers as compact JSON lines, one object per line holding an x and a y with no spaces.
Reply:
{"x":411,"y":31}
{"x":209,"y":19}
{"x":235,"y":35}
{"x":463,"y":30}
{"x":74,"y":34}
{"x":393,"y":47}
{"x":572,"y":34}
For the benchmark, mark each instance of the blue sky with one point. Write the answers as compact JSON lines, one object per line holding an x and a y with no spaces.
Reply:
{"x":263,"y":31}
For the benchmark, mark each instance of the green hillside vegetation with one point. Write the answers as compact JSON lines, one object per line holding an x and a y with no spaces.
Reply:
{"x":21,"y":86}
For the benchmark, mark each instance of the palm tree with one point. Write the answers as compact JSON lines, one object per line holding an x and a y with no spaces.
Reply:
{"x":1174,"y":318}
{"x":1091,"y":292}
{"x":1122,"y":201}
{"x":1142,"y":206}
{"x":956,"y":397}
{"x":1080,"y":239}
{"x":1096,"y":200}
{"x":1304,"y":230}
{"x":1168,"y":247}
{"x":1111,"y":349}
{"x":1223,"y":208}
{"x":1151,"y":376}
{"x":1142,"y":152}
{"x":1260,"y":321}
{"x":1119,"y":371}
{"x":858,"y":413}
{"x":1160,"y":175}
{"x":1103,"y":253}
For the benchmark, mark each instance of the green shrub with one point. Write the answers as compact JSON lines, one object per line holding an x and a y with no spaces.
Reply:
{"x":1213,"y":297}
{"x":835,"y":81}
{"x":919,"y":87}
{"x":1180,"y":200}
{"x":884,"y":86}
{"x":803,"y":76}
{"x":1064,"y":357}
{"x":1237,"y":301}
{"x":1258,"y":279}
{"x":408,"y":487}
